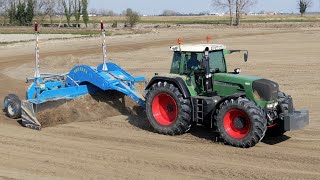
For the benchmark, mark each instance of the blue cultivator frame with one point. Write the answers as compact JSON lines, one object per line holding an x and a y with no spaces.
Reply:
{"x":81,"y":80}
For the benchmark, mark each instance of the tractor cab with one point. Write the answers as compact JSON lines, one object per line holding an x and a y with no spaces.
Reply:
{"x":190,"y":58}
{"x":199,"y":63}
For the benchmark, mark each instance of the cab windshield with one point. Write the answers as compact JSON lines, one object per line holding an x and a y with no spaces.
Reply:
{"x":217,"y":61}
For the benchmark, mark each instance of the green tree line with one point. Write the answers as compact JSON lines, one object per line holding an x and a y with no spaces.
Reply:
{"x":23,"y":12}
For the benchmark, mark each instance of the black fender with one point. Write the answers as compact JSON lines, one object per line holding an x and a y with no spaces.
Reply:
{"x":233,"y":96}
{"x":179,"y":82}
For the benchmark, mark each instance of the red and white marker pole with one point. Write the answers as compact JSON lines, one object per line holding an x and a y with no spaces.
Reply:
{"x":104,"y":48}
{"x":37,"y":66}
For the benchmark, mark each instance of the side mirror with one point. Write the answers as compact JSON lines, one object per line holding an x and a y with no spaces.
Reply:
{"x":246,"y":56}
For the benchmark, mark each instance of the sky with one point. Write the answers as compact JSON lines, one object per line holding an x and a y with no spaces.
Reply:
{"x":154,"y":7}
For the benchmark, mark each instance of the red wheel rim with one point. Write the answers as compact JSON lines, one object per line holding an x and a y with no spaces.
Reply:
{"x":229,"y":123}
{"x":164,"y":109}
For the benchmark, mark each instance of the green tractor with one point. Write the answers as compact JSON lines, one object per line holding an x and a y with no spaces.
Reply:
{"x":200,"y":91}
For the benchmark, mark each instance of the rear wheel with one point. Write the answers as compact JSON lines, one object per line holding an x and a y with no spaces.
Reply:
{"x":12,"y":106}
{"x":240,"y":123}
{"x":278,"y":129}
{"x":167,"y":110}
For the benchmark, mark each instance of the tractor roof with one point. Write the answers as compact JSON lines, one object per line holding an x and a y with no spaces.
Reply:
{"x":197,"y":47}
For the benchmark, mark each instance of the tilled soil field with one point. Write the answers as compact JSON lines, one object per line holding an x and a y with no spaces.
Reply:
{"x":108,"y":137}
{"x":7,"y":38}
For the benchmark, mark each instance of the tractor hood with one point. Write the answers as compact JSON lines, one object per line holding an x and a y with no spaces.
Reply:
{"x":256,"y":88}
{"x":235,"y":78}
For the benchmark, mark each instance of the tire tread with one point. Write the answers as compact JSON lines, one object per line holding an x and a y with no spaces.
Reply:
{"x":183,"y":123}
{"x":254,"y":112}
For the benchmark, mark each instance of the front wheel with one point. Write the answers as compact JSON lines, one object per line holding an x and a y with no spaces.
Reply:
{"x":240,"y":123}
{"x":167,"y":110}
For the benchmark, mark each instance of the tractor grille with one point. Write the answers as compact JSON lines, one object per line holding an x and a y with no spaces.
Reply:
{"x":265,"y":90}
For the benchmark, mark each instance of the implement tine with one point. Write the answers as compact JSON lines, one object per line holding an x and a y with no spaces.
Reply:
{"x":29,"y":119}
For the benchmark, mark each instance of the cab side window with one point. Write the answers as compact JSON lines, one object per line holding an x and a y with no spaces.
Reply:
{"x":217,"y":61}
{"x":175,"y":67}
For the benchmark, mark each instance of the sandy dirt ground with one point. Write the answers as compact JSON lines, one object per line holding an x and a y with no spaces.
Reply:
{"x":121,"y":145}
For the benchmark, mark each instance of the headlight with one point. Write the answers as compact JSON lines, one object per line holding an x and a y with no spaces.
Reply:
{"x":237,"y":71}
{"x":272,"y":106}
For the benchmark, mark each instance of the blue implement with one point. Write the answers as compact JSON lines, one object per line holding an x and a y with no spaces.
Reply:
{"x":81,"y":80}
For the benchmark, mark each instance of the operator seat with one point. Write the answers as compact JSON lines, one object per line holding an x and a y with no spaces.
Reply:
{"x":193,"y":62}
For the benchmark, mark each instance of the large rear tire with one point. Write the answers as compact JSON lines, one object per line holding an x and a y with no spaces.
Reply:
{"x":278,"y":129}
{"x":12,"y":106}
{"x":167,"y":110}
{"x":240,"y":123}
